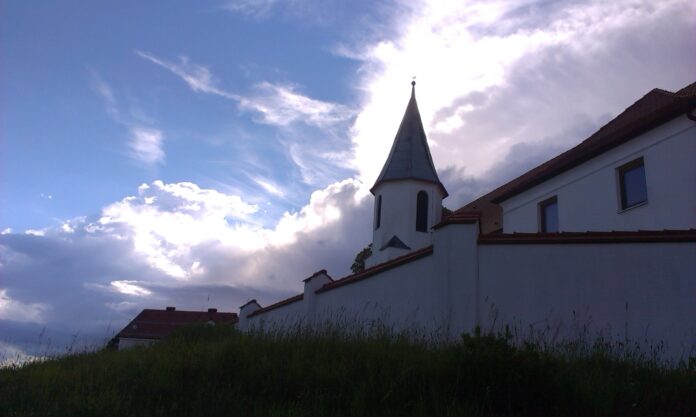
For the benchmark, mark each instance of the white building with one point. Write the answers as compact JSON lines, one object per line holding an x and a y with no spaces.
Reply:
{"x":601,"y":237}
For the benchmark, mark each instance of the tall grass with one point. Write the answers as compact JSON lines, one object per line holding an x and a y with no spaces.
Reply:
{"x":217,"y":371}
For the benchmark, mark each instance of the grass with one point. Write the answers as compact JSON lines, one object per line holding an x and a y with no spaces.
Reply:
{"x":217,"y":371}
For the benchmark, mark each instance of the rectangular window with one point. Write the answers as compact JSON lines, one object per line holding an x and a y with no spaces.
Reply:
{"x":632,"y":186}
{"x":548,"y":215}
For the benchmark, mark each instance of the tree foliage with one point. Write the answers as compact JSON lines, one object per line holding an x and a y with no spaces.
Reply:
{"x":359,"y":262}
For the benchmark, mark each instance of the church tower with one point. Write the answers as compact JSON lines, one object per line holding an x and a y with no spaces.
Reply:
{"x":408,"y":193}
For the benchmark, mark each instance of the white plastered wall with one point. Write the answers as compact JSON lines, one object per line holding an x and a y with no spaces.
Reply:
{"x":404,"y":298}
{"x":588,"y":195}
{"x":635,"y":290}
{"x":281,"y":318}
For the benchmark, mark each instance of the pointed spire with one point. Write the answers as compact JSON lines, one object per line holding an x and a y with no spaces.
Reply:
{"x":409,"y":157}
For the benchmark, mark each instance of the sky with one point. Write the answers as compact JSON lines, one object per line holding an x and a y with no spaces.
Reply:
{"x":200,"y":154}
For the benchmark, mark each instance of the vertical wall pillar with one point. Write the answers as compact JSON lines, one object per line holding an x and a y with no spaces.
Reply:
{"x":244,"y":311}
{"x":455,"y":246}
{"x":309,"y":298}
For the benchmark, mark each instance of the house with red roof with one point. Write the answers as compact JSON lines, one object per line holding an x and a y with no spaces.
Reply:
{"x":152,"y":325}
{"x":600,"y":238}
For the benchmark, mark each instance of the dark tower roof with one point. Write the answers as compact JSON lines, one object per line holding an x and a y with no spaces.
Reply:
{"x":409,"y":157}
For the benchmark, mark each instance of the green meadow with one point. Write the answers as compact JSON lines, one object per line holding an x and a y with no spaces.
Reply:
{"x":218,"y":371}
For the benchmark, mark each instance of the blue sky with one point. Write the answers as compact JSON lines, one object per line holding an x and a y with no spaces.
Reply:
{"x":199,"y":154}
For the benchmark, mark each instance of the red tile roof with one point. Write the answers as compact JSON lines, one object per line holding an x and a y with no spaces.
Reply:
{"x":653,"y":109}
{"x":641,"y":236}
{"x":156,"y":324}
{"x":409,"y":257}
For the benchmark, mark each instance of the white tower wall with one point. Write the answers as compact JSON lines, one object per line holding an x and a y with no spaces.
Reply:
{"x":398,"y":218}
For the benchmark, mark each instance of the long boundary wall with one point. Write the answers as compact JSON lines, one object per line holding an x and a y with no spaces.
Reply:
{"x":628,"y":288}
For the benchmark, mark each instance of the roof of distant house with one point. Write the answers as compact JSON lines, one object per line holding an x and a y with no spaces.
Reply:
{"x":156,"y":324}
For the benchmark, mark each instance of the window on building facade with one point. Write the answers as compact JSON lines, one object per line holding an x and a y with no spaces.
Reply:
{"x":548,"y":215}
{"x":378,"y":215}
{"x":632,"y":185}
{"x":422,"y":212}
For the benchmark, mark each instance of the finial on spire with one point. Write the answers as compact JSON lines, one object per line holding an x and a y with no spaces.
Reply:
{"x":413,"y":83}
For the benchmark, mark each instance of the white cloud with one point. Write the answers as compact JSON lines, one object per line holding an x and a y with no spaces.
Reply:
{"x":168,"y":222}
{"x":35,"y":232}
{"x":197,"y":77}
{"x":146,"y":145}
{"x":281,"y":105}
{"x":269,"y":186}
{"x":254,"y":8}
{"x":276,"y":104}
{"x":107,"y":95}
{"x":494,"y":74}
{"x":123,"y":306}
{"x":130,"y":288}
{"x":15,"y":310}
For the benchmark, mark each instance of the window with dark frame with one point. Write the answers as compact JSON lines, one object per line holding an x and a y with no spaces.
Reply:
{"x":632,"y":185}
{"x":378,"y":215}
{"x":422,"y":212}
{"x":548,"y":215}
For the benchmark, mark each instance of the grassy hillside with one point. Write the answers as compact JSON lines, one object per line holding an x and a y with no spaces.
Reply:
{"x":206,"y":371}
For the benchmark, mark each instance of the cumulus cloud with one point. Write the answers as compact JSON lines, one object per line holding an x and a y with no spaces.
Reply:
{"x":19,"y":311}
{"x":492,"y":75}
{"x":173,"y":243}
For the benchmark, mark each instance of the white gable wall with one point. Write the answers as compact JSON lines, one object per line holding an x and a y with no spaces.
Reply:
{"x":588,"y":195}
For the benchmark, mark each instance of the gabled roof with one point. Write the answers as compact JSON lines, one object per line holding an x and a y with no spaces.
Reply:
{"x":655,"y":108}
{"x":409,"y":157}
{"x":155,"y":324}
